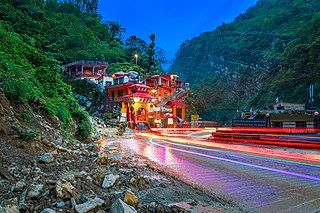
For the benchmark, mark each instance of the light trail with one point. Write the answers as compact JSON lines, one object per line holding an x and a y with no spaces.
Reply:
{"x":257,"y":151}
{"x":238,"y":162}
{"x":244,"y":154}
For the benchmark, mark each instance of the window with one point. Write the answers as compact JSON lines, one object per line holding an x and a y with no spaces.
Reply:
{"x":277,"y":124}
{"x":163,"y":81}
{"x":179,"y":112}
{"x":112,"y":95}
{"x":301,"y":124}
{"x":120,"y":93}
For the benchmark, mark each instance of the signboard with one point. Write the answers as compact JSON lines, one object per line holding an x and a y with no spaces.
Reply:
{"x":170,"y":120}
{"x":123,"y":117}
{"x":194,"y":117}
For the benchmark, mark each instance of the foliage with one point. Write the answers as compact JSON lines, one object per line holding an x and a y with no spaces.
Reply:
{"x":254,"y":59}
{"x":25,"y":134}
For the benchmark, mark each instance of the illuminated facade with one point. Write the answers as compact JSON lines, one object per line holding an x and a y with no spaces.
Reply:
{"x":154,"y":103}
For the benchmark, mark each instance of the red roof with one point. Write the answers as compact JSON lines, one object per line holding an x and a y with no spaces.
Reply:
{"x":138,"y":95}
{"x":176,"y":103}
{"x":121,"y":73}
{"x":140,"y":86}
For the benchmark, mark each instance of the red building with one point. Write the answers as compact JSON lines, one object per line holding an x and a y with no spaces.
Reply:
{"x":155,"y":103}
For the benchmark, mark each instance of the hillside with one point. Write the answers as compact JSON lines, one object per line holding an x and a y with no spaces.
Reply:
{"x":269,"y":51}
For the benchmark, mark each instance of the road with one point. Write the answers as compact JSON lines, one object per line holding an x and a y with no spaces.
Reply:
{"x":266,"y":180}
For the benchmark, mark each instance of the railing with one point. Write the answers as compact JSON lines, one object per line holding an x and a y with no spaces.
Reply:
{"x":85,"y":62}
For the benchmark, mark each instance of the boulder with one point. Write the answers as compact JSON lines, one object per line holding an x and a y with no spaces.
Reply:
{"x":48,"y":210}
{"x":121,"y":207}
{"x":35,"y":190}
{"x":65,"y":190}
{"x":109,"y":181}
{"x":46,"y":158}
{"x":130,"y":198}
{"x":19,"y":186}
{"x":88,"y":206}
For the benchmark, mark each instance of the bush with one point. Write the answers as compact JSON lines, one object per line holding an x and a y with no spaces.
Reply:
{"x":25,"y":134}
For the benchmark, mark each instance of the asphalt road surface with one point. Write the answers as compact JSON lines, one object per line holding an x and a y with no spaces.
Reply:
{"x":266,"y":180}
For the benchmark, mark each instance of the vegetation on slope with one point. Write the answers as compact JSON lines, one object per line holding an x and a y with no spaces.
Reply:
{"x":36,"y":37}
{"x":270,"y":51}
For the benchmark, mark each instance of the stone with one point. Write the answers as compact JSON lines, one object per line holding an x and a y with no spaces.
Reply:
{"x":35,"y":190}
{"x":126,"y":171}
{"x":60,"y":204}
{"x":121,"y":207}
{"x":130,"y":198}
{"x":10,"y":206}
{"x":88,"y":206}
{"x":46,"y":158}
{"x":102,"y":159}
{"x":48,"y":210}
{"x":19,"y":186}
{"x":65,"y":190}
{"x":109,"y":181}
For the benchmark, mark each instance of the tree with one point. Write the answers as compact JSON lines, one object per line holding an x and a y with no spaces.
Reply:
{"x":115,"y":30}
{"x":151,"y":52}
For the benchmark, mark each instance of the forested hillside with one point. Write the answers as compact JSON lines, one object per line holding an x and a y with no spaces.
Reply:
{"x":272,"y":50}
{"x":36,"y":37}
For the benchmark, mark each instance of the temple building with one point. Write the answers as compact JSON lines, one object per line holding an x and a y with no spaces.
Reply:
{"x":92,"y":70}
{"x":156,"y":102}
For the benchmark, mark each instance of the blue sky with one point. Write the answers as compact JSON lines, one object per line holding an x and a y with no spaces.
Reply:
{"x":172,"y":21}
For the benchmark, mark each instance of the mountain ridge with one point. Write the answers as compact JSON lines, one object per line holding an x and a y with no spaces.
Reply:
{"x":253,"y":59}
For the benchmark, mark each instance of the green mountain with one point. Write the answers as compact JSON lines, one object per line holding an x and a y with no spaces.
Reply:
{"x":270,"y":51}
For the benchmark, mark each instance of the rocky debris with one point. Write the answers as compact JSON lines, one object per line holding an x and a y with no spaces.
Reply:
{"x":19,"y":186}
{"x":109,"y":181}
{"x":46,"y":158}
{"x":6,"y":175}
{"x":121,"y":207}
{"x":48,"y":210}
{"x":102,"y":159}
{"x":88,"y":206}
{"x":130,"y":198}
{"x":9,"y":206}
{"x":35,"y":191}
{"x":53,"y":174}
{"x":65,"y":190}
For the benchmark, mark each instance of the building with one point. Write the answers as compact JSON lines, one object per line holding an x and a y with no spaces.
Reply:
{"x":156,"y":102}
{"x":280,"y":114}
{"x":92,"y":70}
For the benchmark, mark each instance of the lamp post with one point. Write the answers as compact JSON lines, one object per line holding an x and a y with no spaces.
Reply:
{"x":316,"y":115}
{"x":136,"y":56}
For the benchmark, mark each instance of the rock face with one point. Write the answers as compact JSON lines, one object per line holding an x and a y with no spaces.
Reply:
{"x":121,"y":207}
{"x":46,"y":158}
{"x":109,"y":181}
{"x":88,"y":206}
{"x":65,"y":190}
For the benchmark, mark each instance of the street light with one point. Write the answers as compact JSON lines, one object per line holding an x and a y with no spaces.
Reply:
{"x":136,"y":56}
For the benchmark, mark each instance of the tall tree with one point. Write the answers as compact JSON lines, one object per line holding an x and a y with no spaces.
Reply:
{"x":151,"y":52}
